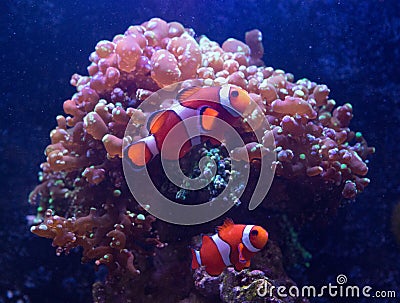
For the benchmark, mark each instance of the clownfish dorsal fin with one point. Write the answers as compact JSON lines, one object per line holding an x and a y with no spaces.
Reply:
{"x":227,"y":223}
{"x":185,"y":93}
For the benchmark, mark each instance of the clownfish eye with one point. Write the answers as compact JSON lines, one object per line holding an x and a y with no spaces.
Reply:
{"x":234,"y":94}
{"x":254,"y":232}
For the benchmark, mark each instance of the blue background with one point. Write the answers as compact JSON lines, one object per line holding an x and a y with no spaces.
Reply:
{"x":352,"y":46}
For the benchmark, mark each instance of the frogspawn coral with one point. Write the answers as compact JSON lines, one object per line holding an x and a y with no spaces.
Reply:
{"x":83,"y":199}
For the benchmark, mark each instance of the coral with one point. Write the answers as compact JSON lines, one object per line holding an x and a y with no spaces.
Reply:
{"x":218,"y":182}
{"x":83,"y":199}
{"x":254,"y":41}
{"x":100,"y":238}
{"x":233,"y":286}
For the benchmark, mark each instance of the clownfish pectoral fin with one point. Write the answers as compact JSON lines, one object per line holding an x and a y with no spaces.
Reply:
{"x":141,"y":152}
{"x":228,"y":222}
{"x":207,"y":118}
{"x":185,"y":93}
{"x":240,"y":249}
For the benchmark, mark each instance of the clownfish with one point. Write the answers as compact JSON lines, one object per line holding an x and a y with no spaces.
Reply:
{"x":233,"y":244}
{"x":227,"y":102}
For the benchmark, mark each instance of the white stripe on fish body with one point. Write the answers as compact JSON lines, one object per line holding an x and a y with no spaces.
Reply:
{"x":151,"y":144}
{"x":246,"y":239}
{"x":184,"y":112}
{"x":223,"y":248}
{"x":198,"y":257}
{"x":195,"y":141}
{"x":225,"y":101}
{"x":194,"y":129}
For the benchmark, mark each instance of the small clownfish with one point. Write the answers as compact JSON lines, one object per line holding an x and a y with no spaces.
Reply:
{"x":233,"y":244}
{"x":227,"y":102}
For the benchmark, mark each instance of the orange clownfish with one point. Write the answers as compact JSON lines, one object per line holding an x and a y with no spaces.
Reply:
{"x":227,"y":103}
{"x":233,"y":244}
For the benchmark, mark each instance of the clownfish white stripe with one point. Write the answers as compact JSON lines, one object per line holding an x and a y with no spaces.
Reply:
{"x":151,"y":145}
{"x":184,"y":112}
{"x":246,"y":239}
{"x":193,"y":130}
{"x":198,"y":257}
{"x":223,"y":248}
{"x":224,"y":95}
{"x":195,"y":140}
{"x":225,"y":101}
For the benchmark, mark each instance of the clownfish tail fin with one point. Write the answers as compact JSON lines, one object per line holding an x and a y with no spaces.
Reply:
{"x":227,"y":223}
{"x":195,"y":256}
{"x":139,"y":153}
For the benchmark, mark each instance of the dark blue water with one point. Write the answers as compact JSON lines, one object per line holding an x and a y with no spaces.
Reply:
{"x":352,"y":46}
